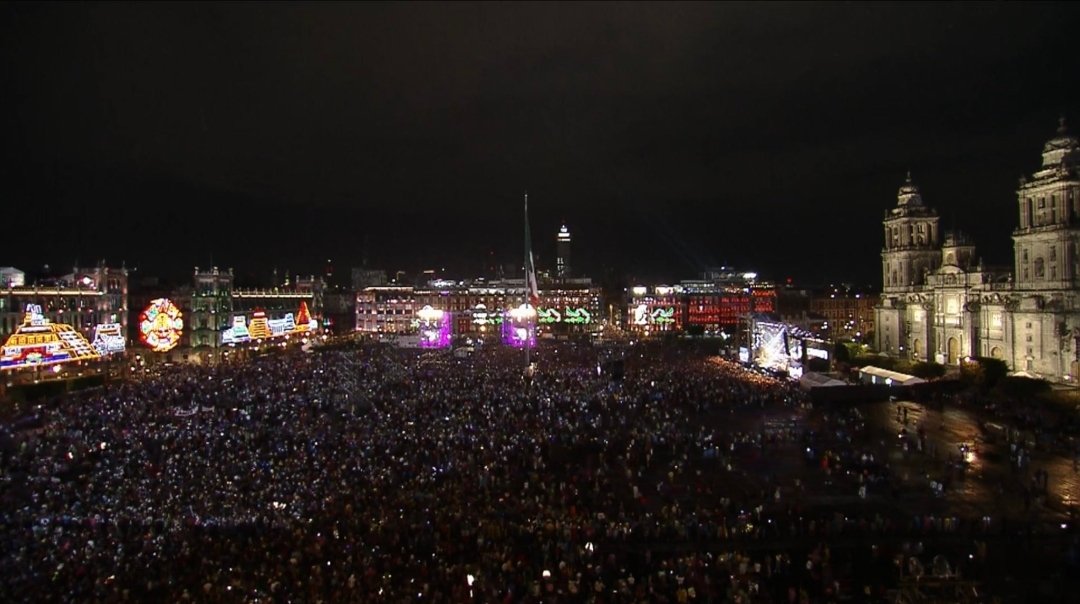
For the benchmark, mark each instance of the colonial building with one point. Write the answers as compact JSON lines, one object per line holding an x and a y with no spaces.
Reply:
{"x":940,"y":303}
{"x":848,"y":315}
{"x":215,"y":310}
{"x":719,"y":302}
{"x":85,"y":299}
{"x":567,"y":306}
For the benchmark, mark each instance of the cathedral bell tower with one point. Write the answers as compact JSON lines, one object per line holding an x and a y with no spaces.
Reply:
{"x":912,"y":242}
{"x":1047,"y":241}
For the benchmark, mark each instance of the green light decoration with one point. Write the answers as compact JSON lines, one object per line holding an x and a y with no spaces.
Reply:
{"x":573,"y":316}
{"x":663,"y":315}
{"x":577,"y":316}
{"x":548,"y":315}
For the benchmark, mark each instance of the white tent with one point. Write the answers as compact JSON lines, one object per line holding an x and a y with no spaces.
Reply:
{"x":877,"y":375}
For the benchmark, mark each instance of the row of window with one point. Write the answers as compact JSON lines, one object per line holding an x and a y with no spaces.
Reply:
{"x":915,"y":234}
{"x":1030,"y":217}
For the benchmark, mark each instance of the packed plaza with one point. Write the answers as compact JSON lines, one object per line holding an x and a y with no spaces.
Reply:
{"x":365,"y":472}
{"x":549,"y":440}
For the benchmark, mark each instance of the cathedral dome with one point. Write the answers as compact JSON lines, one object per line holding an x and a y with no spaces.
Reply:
{"x":908,"y":194}
{"x":1060,"y":148}
{"x":1063,"y":140}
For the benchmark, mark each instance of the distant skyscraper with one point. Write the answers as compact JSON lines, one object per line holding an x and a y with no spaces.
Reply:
{"x":562,"y":253}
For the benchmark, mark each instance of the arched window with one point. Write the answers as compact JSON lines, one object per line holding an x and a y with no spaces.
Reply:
{"x":1040,"y":268}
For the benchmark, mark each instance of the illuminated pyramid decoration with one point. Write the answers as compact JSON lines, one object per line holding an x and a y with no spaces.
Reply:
{"x":40,"y":342}
{"x":303,"y":318}
{"x":259,"y":326}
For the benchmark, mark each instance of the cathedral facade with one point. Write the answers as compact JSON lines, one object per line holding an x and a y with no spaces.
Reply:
{"x":940,"y":303}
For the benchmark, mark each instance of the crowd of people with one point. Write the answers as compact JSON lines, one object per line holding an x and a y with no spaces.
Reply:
{"x":382,"y":474}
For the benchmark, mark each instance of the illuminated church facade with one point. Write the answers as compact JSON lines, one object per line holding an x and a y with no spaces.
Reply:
{"x":939,"y":303}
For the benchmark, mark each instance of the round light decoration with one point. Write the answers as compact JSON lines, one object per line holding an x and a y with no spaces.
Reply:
{"x":160,"y":325}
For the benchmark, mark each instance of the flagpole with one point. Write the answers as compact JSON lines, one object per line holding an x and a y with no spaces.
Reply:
{"x":525,"y":292}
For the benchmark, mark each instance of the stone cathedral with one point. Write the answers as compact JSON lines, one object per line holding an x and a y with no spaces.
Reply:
{"x":939,"y":303}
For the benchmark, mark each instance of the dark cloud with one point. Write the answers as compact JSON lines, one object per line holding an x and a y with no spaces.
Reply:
{"x":670,"y":136}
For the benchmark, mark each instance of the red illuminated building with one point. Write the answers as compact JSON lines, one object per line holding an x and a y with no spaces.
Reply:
{"x":719,"y":302}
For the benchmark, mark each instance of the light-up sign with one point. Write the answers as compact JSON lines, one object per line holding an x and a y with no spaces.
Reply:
{"x":40,"y":342}
{"x":161,"y":325}
{"x":109,"y":339}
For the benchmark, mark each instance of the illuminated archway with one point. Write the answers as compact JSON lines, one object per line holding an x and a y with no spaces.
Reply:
{"x":953,"y":351}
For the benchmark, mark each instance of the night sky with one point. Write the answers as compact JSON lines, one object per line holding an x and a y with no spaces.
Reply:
{"x":669,"y":137}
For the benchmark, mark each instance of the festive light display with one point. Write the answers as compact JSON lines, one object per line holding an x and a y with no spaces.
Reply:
{"x":40,"y":342}
{"x":161,"y":325}
{"x":434,"y":327}
{"x":109,"y":339}
{"x":304,"y":322}
{"x":641,"y":314}
{"x":261,"y":327}
{"x":238,"y":332}
{"x":663,"y":315}
{"x":658,"y":315}
{"x":481,"y":316}
{"x":579,"y":316}
{"x":519,"y":327}
{"x":548,"y":315}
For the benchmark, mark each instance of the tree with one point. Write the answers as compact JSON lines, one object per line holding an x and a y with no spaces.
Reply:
{"x":928,"y":370}
{"x":984,"y":372}
{"x":994,"y":370}
{"x":841,"y":354}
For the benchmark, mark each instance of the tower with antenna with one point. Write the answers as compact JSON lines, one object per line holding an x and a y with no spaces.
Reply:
{"x":562,"y":253}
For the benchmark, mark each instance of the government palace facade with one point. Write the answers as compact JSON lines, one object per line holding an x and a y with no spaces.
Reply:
{"x":940,"y":303}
